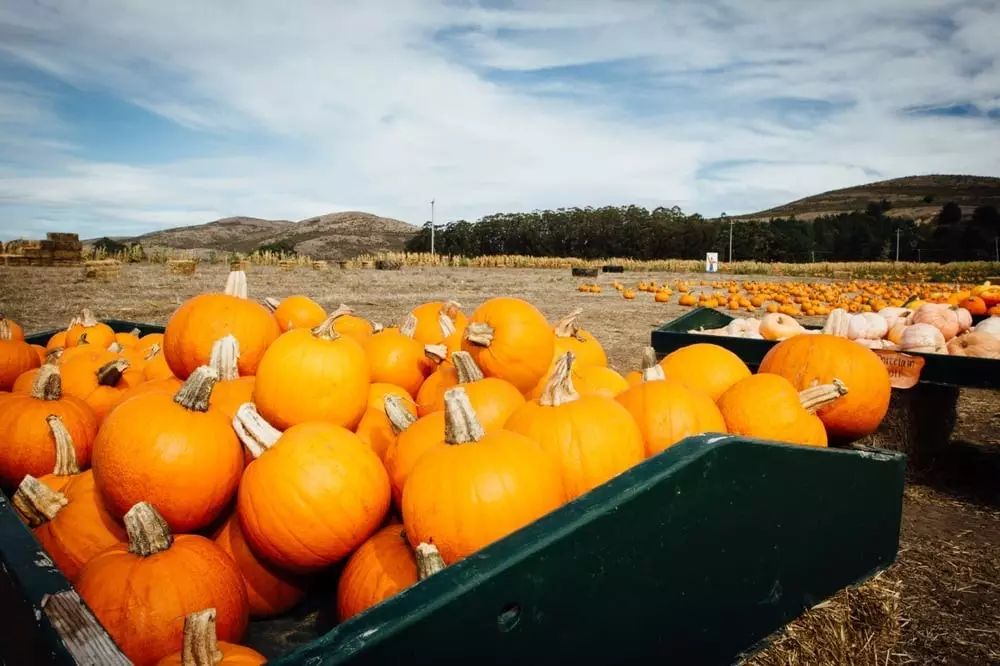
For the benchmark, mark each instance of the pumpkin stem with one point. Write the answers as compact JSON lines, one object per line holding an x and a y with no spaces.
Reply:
{"x":436,"y":353}
{"x":66,"y":464}
{"x":400,"y":418}
{"x":326,"y":329}
{"x":651,"y":370}
{"x":567,"y":328}
{"x":429,"y":560}
{"x":201,"y":645}
{"x":466,"y":368}
{"x":377,"y":327}
{"x":197,"y":390}
{"x":479,"y":333}
{"x":87,"y":318}
{"x":47,"y":384}
{"x":236,"y":284}
{"x":5,"y":331}
{"x":148,"y":532}
{"x":256,"y":434}
{"x":446,"y":324}
{"x":135,"y":331}
{"x":36,"y":502}
{"x":559,"y":389}
{"x":153,"y":350}
{"x":271,"y":303}
{"x":82,"y":339}
{"x":52,"y":356}
{"x":225,"y":358}
{"x":409,"y":325}
{"x":461,"y":426}
{"x":815,"y":397}
{"x":110,"y":373}
{"x":116,"y":348}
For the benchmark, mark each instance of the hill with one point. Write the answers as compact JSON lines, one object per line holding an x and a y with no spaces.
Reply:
{"x":916,"y":197}
{"x":332,"y":236}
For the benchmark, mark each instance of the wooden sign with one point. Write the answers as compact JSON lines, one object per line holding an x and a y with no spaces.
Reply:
{"x":904,"y":369}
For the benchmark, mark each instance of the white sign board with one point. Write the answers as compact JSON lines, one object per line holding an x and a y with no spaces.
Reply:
{"x":711,"y":262}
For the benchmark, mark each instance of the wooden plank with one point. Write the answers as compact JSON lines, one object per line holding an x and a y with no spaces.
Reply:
{"x":84,"y":637}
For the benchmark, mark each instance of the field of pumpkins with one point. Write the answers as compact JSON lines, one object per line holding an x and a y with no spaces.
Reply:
{"x":189,"y":480}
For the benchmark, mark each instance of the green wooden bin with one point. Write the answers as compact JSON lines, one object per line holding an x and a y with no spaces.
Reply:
{"x":694,"y":556}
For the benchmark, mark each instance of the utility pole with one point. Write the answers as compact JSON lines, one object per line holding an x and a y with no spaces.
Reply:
{"x":723,"y":218}
{"x":897,"y":242}
{"x":996,"y":247}
{"x":432,"y":228}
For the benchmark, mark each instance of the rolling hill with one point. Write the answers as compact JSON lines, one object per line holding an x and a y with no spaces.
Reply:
{"x":917,"y":197}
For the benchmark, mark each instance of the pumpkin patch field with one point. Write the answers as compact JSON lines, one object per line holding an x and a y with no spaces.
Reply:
{"x":291,"y":423}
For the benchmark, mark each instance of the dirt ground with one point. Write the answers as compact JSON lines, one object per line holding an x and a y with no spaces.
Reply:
{"x":949,"y":560}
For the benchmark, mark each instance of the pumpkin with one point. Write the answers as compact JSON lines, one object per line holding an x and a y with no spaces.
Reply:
{"x":493,"y":400}
{"x":87,"y":330}
{"x":810,"y":360}
{"x":65,"y":468}
{"x":57,"y":341}
{"x":974,"y":304}
{"x":453,"y":499}
{"x":591,"y":438}
{"x":439,"y":323}
{"x":24,"y":381}
{"x":975,"y":343}
{"x":141,"y":591}
{"x":990,"y":325}
{"x":867,"y":326}
{"x":430,"y":397}
{"x":129,"y":339}
{"x":940,"y":316}
{"x":395,"y":357}
{"x":270,"y":590}
{"x":767,"y":406}
{"x":200,"y":321}
{"x":72,"y":525}
{"x":667,"y":411}
{"x":41,"y":352}
{"x":296,"y":312}
{"x":510,"y":339}
{"x":28,"y":442}
{"x":592,"y":380}
{"x":328,"y":370}
{"x":156,"y":366}
{"x":705,"y":367}
{"x":200,"y":645}
{"x":231,"y":390}
{"x":16,"y":356}
{"x":647,"y":363}
{"x":100,"y":381}
{"x":316,"y":481}
{"x":838,"y":322}
{"x":150,"y":340}
{"x":170,"y":451}
{"x":964,"y":319}
{"x":13,"y":329}
{"x":345,"y":322}
{"x":778,"y":326}
{"x":893,"y":315}
{"x":382,"y":567}
{"x":922,"y":338}
{"x":569,"y":337}
{"x":384,"y":419}
{"x":411,"y":443}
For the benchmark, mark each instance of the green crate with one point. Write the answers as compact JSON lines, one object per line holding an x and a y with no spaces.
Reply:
{"x":938,"y":368}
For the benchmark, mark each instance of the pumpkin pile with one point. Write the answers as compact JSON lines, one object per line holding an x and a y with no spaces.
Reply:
{"x":252,"y":446}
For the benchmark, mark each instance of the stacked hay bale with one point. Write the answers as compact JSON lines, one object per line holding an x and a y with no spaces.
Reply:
{"x":239,"y":265}
{"x":181,"y":266}
{"x":320,"y":265}
{"x":102,"y":269}
{"x":286,"y":264}
{"x":58,"y":249}
{"x":66,"y":249}
{"x":386,"y":264}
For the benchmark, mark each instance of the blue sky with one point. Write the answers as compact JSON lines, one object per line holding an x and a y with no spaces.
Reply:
{"x":120,"y":118}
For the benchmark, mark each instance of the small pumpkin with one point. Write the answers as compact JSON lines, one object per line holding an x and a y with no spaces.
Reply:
{"x":329,"y":371}
{"x":974,"y":304}
{"x":395,"y":357}
{"x":15,"y":331}
{"x":316,"y":479}
{"x":430,"y":397}
{"x":382,"y":567}
{"x":384,"y":419}
{"x":975,"y":343}
{"x":129,"y":339}
{"x":940,"y":316}
{"x":493,"y":399}
{"x":345,"y":322}
{"x":452,"y":498}
{"x":201,"y":646}
{"x":100,"y":381}
{"x":16,"y":356}
{"x":592,"y":380}
{"x":171,"y":451}
{"x":439,"y":323}
{"x":591,"y":438}
{"x":296,"y":312}
{"x":778,"y":326}
{"x":156,"y":366}
{"x":510,"y":339}
{"x":88,"y":330}
{"x":922,"y":338}
{"x":200,"y":321}
{"x":569,"y":337}
{"x":142,"y":591}
{"x":705,"y":367}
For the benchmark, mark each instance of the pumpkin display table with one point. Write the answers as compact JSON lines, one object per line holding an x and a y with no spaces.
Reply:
{"x":695,"y":555}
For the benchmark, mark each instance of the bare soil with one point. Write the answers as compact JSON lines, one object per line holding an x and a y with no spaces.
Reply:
{"x":949,"y":560}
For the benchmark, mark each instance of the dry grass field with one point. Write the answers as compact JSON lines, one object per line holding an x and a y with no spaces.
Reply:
{"x":949,"y":562}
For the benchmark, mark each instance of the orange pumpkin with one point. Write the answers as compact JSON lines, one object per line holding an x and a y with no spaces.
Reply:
{"x":65,"y":469}
{"x":328,"y":370}
{"x":28,"y":442}
{"x":201,"y":646}
{"x":24,"y":381}
{"x":270,"y":590}
{"x":452,"y":498}
{"x":974,"y":304}
{"x":150,"y":340}
{"x":87,"y":330}
{"x":72,"y":525}
{"x":430,"y":397}
{"x":383,"y":419}
{"x":100,"y":381}
{"x":590,"y":380}
{"x":169,"y":386}
{"x":345,"y":322}
{"x":13,"y":329}
{"x":767,"y":406}
{"x":382,"y":567}
{"x":231,"y":390}
{"x":647,"y":364}
{"x":16,"y":356}
{"x":705,"y":367}
{"x":591,"y":438}
{"x":394,"y":357}
{"x":297,"y":312}
{"x":156,"y":366}
{"x":57,"y":341}
{"x":439,"y":323}
{"x":41,"y":352}
{"x":128,"y":340}
{"x":569,"y":337}
{"x":810,"y":360}
{"x":510,"y":339}
{"x":200,"y":321}
{"x":493,"y":399}
{"x":142,"y":591}
{"x":170,"y":451}
{"x":410,"y":445}
{"x":318,"y":480}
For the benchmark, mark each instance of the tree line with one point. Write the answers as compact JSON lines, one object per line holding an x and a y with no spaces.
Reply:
{"x":669,"y":233}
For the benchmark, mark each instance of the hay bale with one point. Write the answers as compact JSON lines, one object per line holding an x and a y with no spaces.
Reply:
{"x":320,"y":266}
{"x":14,"y":260}
{"x":584,"y":272}
{"x":858,"y":625}
{"x":239,"y":265}
{"x":385,"y":265}
{"x":102,"y":269}
{"x":181,"y":266}
{"x":612,"y":268}
{"x":287,"y":264}
{"x":367,"y":263}
{"x":343,"y":264}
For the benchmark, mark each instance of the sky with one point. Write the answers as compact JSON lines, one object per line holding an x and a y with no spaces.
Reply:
{"x":119,"y":118}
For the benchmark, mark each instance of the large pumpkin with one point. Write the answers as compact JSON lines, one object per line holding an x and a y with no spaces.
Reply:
{"x":28,"y":443}
{"x":100,"y":381}
{"x":382,"y":567}
{"x":72,"y":525}
{"x":201,"y":646}
{"x":384,"y":419}
{"x":170,"y":451}
{"x":316,"y":481}
{"x":270,"y":590}
{"x":329,"y":373}
{"x":439,"y":323}
{"x":705,"y":367}
{"x":809,"y":360}
{"x":395,"y":357}
{"x":200,"y":321}
{"x":16,"y":356}
{"x":453,"y":498}
{"x":510,"y":339}
{"x":297,"y":312}
{"x":88,"y":330}
{"x":231,"y":390}
{"x":142,"y":591}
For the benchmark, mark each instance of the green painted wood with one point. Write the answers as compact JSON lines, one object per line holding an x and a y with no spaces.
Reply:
{"x":117,"y":325}
{"x":938,"y":368}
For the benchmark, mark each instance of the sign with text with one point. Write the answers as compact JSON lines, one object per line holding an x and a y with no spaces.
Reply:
{"x":711,"y":262}
{"x":904,"y":369}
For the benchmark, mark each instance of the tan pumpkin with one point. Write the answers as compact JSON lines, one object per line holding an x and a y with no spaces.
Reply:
{"x":941,"y":316}
{"x":976,"y":344}
{"x":778,"y":326}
